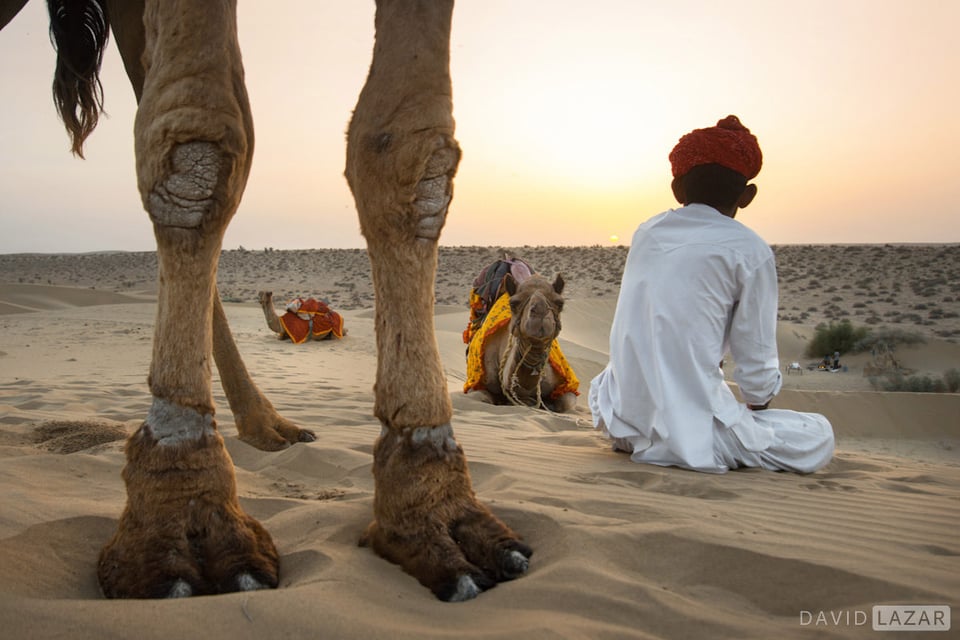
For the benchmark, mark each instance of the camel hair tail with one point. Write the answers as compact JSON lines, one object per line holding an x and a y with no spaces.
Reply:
{"x":79,"y":31}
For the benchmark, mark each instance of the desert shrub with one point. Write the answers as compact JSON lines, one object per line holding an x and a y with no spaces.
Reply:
{"x":951,"y":379}
{"x":912,"y":384}
{"x":890,"y":337}
{"x":837,"y":336}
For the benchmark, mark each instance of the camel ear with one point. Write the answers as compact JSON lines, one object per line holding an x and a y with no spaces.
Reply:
{"x":558,"y":284}
{"x":509,"y":284}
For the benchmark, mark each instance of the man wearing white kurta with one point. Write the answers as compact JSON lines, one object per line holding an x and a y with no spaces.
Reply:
{"x":698,"y":284}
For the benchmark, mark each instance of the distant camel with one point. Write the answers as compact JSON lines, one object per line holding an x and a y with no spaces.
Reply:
{"x":183,"y":531}
{"x":305,"y":319}
{"x":513,"y":354}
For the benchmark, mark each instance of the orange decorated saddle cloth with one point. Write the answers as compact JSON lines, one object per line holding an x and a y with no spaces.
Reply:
{"x":306,"y":316}
{"x":499,"y":318}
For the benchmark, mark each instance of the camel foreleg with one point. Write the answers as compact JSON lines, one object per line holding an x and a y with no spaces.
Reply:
{"x":183,"y":531}
{"x":259,"y":424}
{"x":401,"y":159}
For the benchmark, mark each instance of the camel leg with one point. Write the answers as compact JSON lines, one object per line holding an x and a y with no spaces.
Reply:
{"x":182,"y":531}
{"x":401,"y":158}
{"x":258,"y":422}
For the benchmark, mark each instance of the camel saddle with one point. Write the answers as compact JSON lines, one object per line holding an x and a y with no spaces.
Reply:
{"x":306,"y":316}
{"x":488,"y":286}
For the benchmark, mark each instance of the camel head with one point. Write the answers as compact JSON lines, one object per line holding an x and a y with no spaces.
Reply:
{"x":535,"y":305}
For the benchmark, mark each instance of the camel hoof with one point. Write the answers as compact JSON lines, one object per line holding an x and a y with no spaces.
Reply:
{"x":183,"y":531}
{"x":515,"y":563}
{"x":466,"y":587}
{"x":434,"y":527}
{"x":136,"y":565}
{"x":272,"y":432}
{"x":245,"y":582}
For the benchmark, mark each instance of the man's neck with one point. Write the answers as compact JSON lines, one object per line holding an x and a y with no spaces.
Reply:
{"x":730,"y":212}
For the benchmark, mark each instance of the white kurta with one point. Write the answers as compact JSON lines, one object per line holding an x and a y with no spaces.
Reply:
{"x":697,"y":285}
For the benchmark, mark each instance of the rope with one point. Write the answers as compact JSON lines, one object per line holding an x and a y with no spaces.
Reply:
{"x":537,"y":367}
{"x":510,"y":390}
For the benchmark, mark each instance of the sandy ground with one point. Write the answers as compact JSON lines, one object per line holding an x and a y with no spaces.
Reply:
{"x":621,"y":549}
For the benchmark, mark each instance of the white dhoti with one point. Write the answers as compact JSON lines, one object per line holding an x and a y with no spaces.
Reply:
{"x":802,"y":442}
{"x":773,"y":439}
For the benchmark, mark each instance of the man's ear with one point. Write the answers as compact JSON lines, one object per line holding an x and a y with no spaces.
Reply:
{"x":749,"y":193}
{"x":678,"y":191}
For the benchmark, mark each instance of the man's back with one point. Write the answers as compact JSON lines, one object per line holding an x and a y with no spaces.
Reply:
{"x":694,"y":279}
{"x":687,"y":270}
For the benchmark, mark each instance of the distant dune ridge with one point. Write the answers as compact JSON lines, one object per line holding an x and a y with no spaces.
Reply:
{"x":915,"y":285}
{"x":621,"y":549}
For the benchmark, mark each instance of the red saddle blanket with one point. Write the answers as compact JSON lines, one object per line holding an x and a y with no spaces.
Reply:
{"x":306,"y":316}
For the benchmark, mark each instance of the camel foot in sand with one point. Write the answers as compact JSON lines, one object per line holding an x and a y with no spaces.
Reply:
{"x":183,"y":532}
{"x":270,"y":431}
{"x":428,"y":520}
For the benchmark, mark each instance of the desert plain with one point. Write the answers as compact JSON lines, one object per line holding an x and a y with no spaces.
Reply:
{"x":621,"y":550}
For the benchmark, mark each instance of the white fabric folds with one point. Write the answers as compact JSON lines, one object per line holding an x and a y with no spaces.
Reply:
{"x":696,"y":286}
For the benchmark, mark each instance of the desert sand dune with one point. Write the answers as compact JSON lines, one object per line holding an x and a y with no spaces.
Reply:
{"x":621,"y":549}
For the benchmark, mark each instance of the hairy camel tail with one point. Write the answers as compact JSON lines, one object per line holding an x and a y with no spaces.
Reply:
{"x":78,"y":30}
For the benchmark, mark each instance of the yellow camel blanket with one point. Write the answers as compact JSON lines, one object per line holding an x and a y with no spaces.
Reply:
{"x":499,"y":318}
{"x":306,"y":316}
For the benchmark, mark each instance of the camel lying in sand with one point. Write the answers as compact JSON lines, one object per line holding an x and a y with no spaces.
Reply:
{"x":513,"y":355}
{"x":305,"y":319}
{"x":183,"y":531}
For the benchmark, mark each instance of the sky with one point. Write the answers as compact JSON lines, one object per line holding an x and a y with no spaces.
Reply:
{"x":566,"y":112}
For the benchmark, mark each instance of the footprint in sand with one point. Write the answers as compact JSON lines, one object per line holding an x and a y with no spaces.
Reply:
{"x":70,"y":436}
{"x":300,"y":491}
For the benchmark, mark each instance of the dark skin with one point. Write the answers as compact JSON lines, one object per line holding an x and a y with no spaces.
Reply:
{"x":749,"y":193}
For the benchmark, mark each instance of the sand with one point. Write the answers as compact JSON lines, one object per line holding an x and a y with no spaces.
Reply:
{"x":621,"y":549}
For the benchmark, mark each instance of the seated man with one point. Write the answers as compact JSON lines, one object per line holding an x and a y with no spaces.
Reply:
{"x":696,"y":285}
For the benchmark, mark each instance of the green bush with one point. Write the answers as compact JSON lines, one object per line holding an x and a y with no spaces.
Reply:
{"x":837,"y":336}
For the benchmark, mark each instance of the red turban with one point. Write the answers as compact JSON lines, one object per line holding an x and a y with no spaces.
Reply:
{"x":729,"y":144}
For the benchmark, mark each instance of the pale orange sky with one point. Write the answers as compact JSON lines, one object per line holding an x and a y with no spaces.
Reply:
{"x":566,"y":112}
